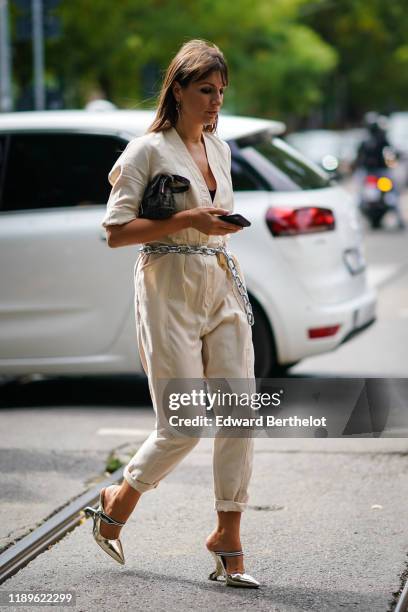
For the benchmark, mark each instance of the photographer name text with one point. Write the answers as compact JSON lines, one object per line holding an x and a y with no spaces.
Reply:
{"x":259,"y":421}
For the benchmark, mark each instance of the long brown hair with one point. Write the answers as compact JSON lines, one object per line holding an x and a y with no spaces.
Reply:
{"x":195,"y":60}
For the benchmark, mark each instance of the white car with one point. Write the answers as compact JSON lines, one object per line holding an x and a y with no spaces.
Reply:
{"x":334,"y":151}
{"x":66,"y":302}
{"x":397,"y":133}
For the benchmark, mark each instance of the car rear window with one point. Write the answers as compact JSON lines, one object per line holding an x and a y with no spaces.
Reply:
{"x":282,"y":166}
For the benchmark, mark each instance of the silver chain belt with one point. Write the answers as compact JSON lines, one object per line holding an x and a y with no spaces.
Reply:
{"x":186,"y":249}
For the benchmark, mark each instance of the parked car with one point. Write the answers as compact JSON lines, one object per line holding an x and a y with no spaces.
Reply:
{"x":397,"y":134}
{"x":334,"y":151}
{"x":398,"y":131}
{"x":66,"y":302}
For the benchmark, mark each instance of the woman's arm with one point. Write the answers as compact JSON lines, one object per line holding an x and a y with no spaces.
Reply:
{"x":145,"y":230}
{"x":129,"y":177}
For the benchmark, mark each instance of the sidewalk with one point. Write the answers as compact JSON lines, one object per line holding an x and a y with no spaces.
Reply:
{"x":326,"y":529}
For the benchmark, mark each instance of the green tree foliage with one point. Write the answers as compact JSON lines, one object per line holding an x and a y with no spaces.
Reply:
{"x":371,"y":41}
{"x":277,"y":65}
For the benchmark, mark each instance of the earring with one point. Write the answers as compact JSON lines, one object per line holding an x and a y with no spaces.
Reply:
{"x":178,"y":108}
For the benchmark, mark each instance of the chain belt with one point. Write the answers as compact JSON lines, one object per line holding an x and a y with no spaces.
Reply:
{"x":186,"y":249}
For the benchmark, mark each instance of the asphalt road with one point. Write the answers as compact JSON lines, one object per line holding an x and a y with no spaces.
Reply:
{"x":326,"y":528}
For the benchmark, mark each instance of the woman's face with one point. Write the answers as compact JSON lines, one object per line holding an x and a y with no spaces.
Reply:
{"x":201,"y":101}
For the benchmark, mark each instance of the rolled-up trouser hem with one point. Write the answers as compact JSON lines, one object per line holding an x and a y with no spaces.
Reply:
{"x":137,"y":484}
{"x":229,"y":506}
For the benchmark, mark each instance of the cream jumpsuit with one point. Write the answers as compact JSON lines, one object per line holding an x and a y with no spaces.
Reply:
{"x":190,"y":320}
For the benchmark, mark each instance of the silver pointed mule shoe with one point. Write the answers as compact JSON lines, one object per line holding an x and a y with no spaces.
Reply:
{"x":111,"y":547}
{"x":234,"y":579}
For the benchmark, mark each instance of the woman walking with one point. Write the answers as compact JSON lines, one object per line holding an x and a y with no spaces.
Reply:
{"x":191,"y":320}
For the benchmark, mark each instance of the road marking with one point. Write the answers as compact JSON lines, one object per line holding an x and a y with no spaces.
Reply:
{"x":122,"y":431}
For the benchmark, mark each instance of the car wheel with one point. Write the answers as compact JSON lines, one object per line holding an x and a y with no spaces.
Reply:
{"x":264,"y":344}
{"x":266,"y":364}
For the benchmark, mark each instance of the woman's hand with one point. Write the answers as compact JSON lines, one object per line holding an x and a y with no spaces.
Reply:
{"x":139,"y":230}
{"x":205,"y":220}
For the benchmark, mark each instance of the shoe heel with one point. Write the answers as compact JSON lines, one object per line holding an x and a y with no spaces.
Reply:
{"x":235,"y":579}
{"x":219,"y":569}
{"x":112,"y":547}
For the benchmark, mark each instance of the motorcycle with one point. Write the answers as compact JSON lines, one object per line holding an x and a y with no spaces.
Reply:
{"x":378,"y":196}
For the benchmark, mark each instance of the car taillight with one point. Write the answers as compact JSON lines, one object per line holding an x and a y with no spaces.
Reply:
{"x":294,"y":221}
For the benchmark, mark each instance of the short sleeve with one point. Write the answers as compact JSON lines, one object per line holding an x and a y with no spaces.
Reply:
{"x":129,"y":177}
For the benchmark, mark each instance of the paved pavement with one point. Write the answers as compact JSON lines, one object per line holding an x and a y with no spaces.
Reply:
{"x":325,"y":530}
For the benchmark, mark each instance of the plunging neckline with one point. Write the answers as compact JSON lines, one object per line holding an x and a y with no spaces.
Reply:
{"x":195,"y":163}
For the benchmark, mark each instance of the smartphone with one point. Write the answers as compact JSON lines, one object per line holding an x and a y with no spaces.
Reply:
{"x":236,"y":219}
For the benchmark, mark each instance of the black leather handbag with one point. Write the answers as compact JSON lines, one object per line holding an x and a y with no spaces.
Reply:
{"x":158,"y":199}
